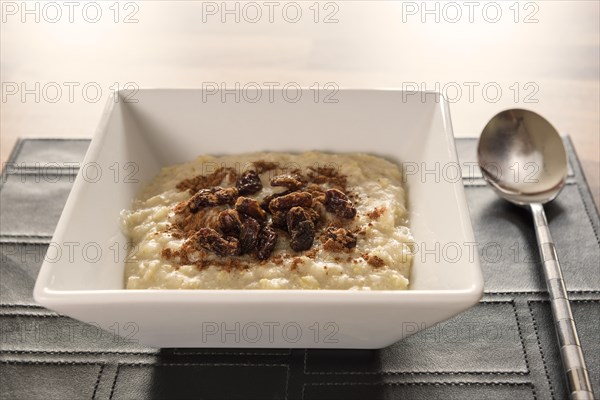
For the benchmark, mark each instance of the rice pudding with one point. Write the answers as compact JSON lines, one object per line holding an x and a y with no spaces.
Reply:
{"x":271,"y":221}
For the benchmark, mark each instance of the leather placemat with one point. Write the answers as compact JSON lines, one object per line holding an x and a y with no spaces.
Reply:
{"x":504,"y":348}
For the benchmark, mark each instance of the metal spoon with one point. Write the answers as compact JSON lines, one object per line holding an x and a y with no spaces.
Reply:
{"x":523,"y":158}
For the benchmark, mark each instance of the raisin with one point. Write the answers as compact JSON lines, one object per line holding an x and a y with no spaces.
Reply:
{"x":337,"y":203}
{"x":316,"y":191}
{"x":227,"y":195}
{"x":267,"y":239}
{"x":294,"y":217}
{"x":279,"y":220}
{"x":313,"y":214}
{"x":230,"y":223}
{"x":341,"y":236}
{"x":267,"y":200}
{"x":303,"y":236}
{"x":210,"y":240}
{"x":248,"y":183}
{"x":302,"y":199}
{"x":216,"y":196}
{"x":249,"y":235}
{"x":251,"y":208}
{"x":291,"y":182}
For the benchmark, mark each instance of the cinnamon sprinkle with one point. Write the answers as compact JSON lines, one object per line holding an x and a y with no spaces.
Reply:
{"x":187,"y":223}
{"x":376,"y":213}
{"x":373,"y":261}
{"x":312,"y":253}
{"x":295,"y":262}
{"x":328,"y":175}
{"x":215,"y":178}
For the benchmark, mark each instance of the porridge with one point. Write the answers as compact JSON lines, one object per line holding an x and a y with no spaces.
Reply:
{"x":271,"y":221}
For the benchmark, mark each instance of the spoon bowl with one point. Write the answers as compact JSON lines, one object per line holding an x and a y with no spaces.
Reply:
{"x":522,"y":157}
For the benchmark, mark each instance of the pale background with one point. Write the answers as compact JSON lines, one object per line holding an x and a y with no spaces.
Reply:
{"x":549,"y":57}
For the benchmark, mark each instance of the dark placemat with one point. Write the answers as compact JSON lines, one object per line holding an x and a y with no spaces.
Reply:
{"x":502,"y":348}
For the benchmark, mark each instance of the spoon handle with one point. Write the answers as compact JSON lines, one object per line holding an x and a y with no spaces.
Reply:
{"x":578,"y":379}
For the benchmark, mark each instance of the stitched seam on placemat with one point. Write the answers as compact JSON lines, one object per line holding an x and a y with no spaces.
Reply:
{"x":36,"y":362}
{"x":521,"y":339}
{"x":570,"y":301}
{"x":97,"y":382}
{"x":78,"y":352}
{"x":465,"y":383}
{"x":21,"y":314}
{"x":219,"y":353}
{"x":14,"y":305}
{"x":114,"y":383}
{"x":50,"y":314}
{"x":2,"y":242}
{"x":587,"y":211}
{"x":577,"y":164}
{"x":26,"y":235}
{"x":18,"y":240}
{"x":16,"y":151}
{"x":191,"y":364}
{"x":13,"y":155}
{"x":436,"y":373}
{"x":85,"y":352}
{"x":539,"y":343}
{"x":287,"y":381}
{"x":59,"y":139}
{"x":542,"y":292}
{"x":496,"y":383}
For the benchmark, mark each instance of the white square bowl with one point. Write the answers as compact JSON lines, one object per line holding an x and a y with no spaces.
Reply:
{"x":82,"y":274}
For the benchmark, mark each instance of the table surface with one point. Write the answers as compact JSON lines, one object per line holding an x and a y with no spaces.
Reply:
{"x":58,"y":71}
